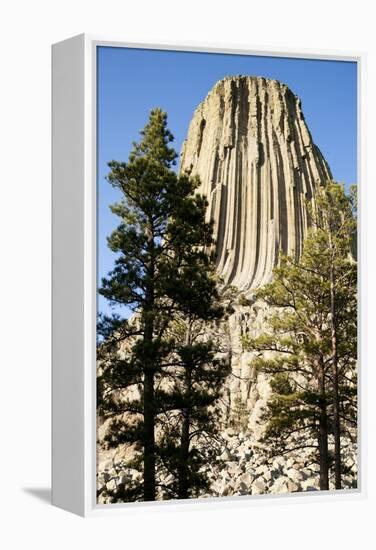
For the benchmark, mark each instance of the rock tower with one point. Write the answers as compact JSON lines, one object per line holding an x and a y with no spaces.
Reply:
{"x":251,"y":147}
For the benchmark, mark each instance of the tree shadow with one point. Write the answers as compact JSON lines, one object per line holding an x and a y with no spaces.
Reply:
{"x":41,"y":493}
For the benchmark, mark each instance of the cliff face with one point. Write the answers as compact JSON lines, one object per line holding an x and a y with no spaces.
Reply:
{"x":249,"y":144}
{"x":251,"y":147}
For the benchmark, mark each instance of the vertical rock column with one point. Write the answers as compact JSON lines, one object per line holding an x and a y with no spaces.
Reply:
{"x":249,"y":144}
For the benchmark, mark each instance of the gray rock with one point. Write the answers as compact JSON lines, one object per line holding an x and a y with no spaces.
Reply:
{"x":111,"y":485}
{"x":246,"y":479}
{"x":292,"y":487}
{"x":280,"y":485}
{"x":295,"y":475}
{"x":227,"y":455}
{"x":258,"y":487}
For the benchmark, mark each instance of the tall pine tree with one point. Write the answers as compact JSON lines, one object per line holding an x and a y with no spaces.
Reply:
{"x":162,"y":270}
{"x":311,"y":341}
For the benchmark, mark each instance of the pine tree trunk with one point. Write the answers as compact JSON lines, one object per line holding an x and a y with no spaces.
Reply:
{"x":149,"y":441}
{"x":149,"y":370}
{"x":184,"y":456}
{"x":336,"y":417}
{"x":323,"y":433}
{"x":323,"y":451}
{"x":183,"y":481}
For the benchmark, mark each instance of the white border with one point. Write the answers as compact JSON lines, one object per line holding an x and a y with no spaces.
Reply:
{"x":90,"y":184}
{"x":68,"y":175}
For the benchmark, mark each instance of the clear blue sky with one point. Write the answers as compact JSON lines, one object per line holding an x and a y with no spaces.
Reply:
{"x":133,"y":81}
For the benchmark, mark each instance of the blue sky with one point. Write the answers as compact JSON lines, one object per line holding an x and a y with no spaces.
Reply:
{"x":130,"y":82}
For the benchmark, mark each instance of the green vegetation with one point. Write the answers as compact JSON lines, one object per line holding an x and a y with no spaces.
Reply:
{"x":310,"y":347}
{"x":154,"y":388}
{"x":161,"y":372}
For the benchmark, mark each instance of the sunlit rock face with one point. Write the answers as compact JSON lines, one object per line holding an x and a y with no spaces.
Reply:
{"x":251,"y":147}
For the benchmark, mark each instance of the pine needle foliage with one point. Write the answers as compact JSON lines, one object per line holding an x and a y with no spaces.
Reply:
{"x":162,"y":271}
{"x":310,"y":345}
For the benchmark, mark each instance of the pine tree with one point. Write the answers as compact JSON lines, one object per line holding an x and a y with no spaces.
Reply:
{"x":191,"y":439}
{"x":334,"y":225}
{"x":311,"y":341}
{"x":161,"y":271}
{"x":239,"y":418}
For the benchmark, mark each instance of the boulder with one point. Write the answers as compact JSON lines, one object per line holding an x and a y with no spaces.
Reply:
{"x":258,"y":487}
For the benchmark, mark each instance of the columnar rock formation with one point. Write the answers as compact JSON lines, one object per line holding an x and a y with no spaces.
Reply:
{"x":249,"y":144}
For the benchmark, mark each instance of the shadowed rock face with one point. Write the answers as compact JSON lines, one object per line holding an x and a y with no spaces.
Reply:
{"x":249,"y":144}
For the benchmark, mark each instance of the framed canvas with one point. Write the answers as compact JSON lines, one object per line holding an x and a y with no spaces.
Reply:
{"x":206,"y":281}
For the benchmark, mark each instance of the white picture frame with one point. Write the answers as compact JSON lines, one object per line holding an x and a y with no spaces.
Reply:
{"x":74,"y":275}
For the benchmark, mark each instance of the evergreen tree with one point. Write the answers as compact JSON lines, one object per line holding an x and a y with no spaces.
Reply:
{"x":240,"y":414}
{"x":311,"y":341}
{"x":161,"y":270}
{"x":334,"y":225}
{"x":191,"y":438}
